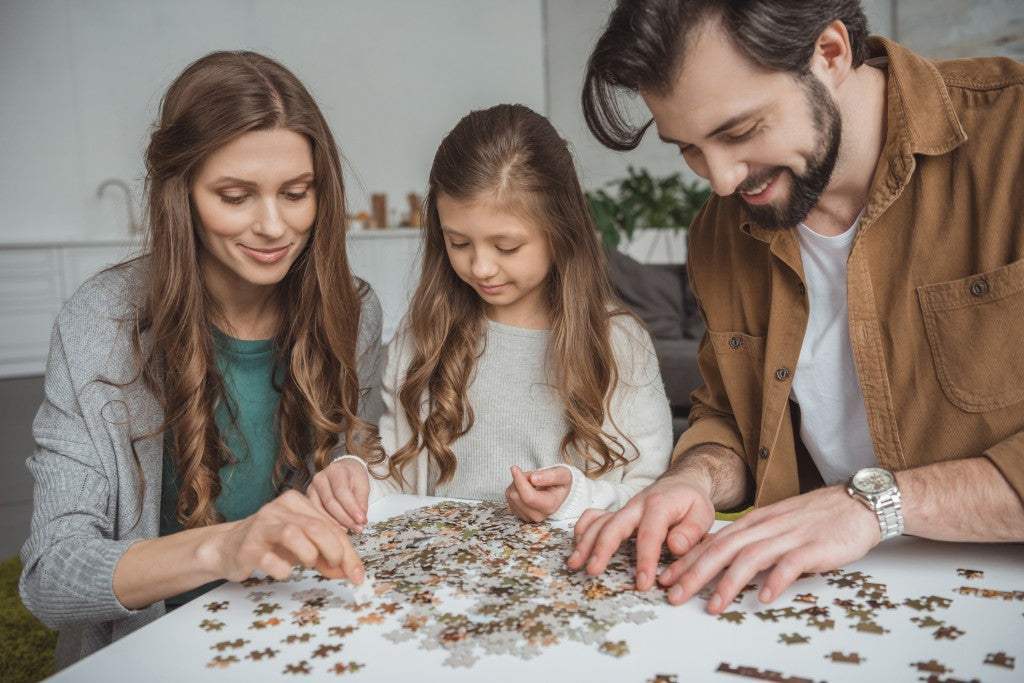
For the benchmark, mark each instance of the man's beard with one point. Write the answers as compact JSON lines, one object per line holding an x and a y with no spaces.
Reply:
{"x":805,"y":189}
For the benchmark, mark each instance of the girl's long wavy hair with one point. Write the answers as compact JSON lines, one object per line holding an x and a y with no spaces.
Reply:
{"x":216,"y":99}
{"x":513,"y":156}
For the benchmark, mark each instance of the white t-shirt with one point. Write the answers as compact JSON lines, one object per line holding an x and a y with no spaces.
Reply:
{"x":833,"y":424}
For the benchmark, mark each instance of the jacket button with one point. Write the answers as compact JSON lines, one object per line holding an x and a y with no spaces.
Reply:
{"x":735,"y":343}
{"x":979,"y":287}
{"x":762,"y":453}
{"x":782,"y":374}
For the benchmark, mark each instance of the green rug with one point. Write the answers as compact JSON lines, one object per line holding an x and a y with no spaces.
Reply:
{"x":27,"y":645}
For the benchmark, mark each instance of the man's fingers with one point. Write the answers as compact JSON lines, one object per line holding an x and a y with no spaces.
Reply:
{"x":617,"y":530}
{"x":685,"y":535}
{"x":649,"y":538}
{"x":584,"y":522}
{"x":719,"y":553}
{"x":745,"y":566}
{"x":788,"y":569}
{"x":585,"y":541}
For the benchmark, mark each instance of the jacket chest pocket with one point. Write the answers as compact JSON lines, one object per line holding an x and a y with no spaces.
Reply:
{"x":975,"y":327}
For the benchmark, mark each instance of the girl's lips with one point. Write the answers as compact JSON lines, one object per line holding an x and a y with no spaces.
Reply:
{"x":267,"y":256}
{"x":491,"y":289}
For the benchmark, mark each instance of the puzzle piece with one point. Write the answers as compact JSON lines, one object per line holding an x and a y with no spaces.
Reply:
{"x":1000,"y":659}
{"x":618,"y":648}
{"x":221,"y":662}
{"x":840,"y":658}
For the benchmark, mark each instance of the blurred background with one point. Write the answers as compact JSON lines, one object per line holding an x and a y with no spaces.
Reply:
{"x":81,"y":83}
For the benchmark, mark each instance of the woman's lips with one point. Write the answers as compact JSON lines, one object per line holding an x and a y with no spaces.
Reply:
{"x":266,"y":256}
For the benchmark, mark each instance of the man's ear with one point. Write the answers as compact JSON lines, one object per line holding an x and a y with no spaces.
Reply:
{"x":832,"y":61}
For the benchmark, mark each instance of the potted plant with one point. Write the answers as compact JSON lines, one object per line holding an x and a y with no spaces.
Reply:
{"x":641,"y":201}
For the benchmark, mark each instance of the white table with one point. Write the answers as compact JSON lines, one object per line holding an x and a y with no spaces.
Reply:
{"x":684,"y":641}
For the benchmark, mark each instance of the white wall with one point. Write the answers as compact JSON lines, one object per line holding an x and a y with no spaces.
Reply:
{"x":571,"y":30}
{"x":81,"y":82}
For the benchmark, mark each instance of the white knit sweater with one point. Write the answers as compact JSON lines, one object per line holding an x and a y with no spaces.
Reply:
{"x":519,"y":419}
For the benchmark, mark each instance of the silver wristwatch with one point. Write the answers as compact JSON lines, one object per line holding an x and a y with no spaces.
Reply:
{"x":877,"y":489}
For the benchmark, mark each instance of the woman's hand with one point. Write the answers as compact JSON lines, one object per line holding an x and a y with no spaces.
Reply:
{"x":342,"y":491}
{"x":534,"y":496}
{"x":285,"y":532}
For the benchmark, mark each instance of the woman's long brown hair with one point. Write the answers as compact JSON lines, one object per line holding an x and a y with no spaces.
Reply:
{"x":216,"y":99}
{"x":513,"y":156}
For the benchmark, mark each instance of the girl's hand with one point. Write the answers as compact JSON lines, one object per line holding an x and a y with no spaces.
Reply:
{"x":342,"y":490}
{"x":533,"y":496}
{"x":285,"y":532}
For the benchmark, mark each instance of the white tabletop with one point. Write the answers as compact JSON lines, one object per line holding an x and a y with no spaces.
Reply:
{"x":983,"y":613}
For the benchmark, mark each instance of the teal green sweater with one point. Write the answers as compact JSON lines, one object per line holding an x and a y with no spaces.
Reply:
{"x":251,"y":438}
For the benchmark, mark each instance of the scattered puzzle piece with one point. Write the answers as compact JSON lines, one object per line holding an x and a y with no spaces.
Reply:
{"x":346,"y":667}
{"x":221,"y":662}
{"x":617,"y":648}
{"x":216,"y":606}
{"x":301,"y":667}
{"x":947,"y":633}
{"x":732,"y":617}
{"x":211,"y":625}
{"x":1000,"y":659}
{"x":931,"y":666}
{"x":840,"y":658}
{"x":229,"y":645}
{"x":793,"y":639}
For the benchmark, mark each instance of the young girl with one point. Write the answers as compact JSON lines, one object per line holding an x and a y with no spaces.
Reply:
{"x":188,"y":388}
{"x":515,"y":374}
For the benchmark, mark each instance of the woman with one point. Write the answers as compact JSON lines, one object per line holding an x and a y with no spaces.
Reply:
{"x":187,"y":389}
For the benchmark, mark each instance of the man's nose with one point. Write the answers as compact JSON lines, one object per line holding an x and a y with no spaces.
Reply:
{"x":724,"y":173}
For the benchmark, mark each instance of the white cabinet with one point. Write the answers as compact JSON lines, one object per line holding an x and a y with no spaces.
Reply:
{"x":35,"y":281}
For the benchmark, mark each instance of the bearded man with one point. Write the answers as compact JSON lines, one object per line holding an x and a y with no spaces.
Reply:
{"x":861,"y":273}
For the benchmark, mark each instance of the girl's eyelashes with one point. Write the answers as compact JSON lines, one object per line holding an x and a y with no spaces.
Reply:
{"x":458,"y":245}
{"x":233,"y":199}
{"x":511,"y":250}
{"x":296,"y":196}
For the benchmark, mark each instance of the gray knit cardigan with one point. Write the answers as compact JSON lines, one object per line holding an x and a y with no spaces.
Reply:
{"x":87,"y":509}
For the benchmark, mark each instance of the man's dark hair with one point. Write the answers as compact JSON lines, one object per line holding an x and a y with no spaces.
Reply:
{"x":644,"y":43}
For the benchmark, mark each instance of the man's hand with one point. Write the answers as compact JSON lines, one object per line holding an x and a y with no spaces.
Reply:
{"x":676,"y":509}
{"x":813,"y":532}
{"x":534,"y":496}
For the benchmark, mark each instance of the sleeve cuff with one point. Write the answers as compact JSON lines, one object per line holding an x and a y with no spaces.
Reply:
{"x":584,"y":493}
{"x":710,"y":429}
{"x":1008,"y":458}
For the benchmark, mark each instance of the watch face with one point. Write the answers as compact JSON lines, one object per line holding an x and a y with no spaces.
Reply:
{"x":873,"y":480}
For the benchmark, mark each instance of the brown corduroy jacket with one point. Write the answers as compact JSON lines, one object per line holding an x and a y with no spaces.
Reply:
{"x":935,"y":290}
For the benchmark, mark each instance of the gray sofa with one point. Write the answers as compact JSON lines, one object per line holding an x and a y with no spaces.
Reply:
{"x":659,"y":295}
